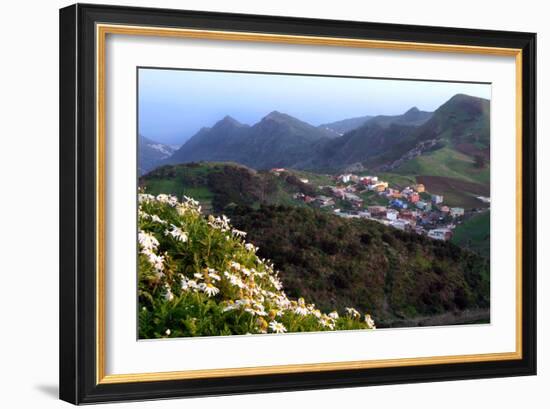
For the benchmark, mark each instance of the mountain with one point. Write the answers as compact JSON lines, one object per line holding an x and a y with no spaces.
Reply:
{"x":278,"y":140}
{"x":457,"y":132}
{"x":413,"y":117}
{"x":218,"y":143}
{"x":346,"y":125}
{"x":454,"y":142}
{"x":151,"y":154}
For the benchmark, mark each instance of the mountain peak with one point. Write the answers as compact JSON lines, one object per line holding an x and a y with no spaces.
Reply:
{"x":276,"y":115}
{"x":413,"y":110}
{"x":228,"y":120}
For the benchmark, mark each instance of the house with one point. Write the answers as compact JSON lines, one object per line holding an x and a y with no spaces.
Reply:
{"x":366,"y":180}
{"x":422,"y":205}
{"x":337,"y":192}
{"x":377,"y":211}
{"x":392,"y":214}
{"x":369,"y":180}
{"x":444,"y":209}
{"x":345,"y":178}
{"x":440,"y":234}
{"x":304,"y":180}
{"x":407,"y":191}
{"x":324,"y":201}
{"x":414,"y":197}
{"x":308,"y":199}
{"x":380,"y":187}
{"x":400,"y":204}
{"x":364,"y":214}
{"x":408,"y":215}
{"x":400,"y":224}
{"x":437,"y":199}
{"x":348,"y":215}
{"x":419,"y":188}
{"x":397,"y":194}
{"x":457,"y":212}
{"x":353,"y":198}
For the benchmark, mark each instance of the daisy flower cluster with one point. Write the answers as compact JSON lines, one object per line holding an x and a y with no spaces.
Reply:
{"x":199,"y":276}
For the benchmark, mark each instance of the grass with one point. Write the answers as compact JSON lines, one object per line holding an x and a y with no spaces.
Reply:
{"x":315,"y":179}
{"x":474,"y":234}
{"x":456,"y":192}
{"x":446,"y":162}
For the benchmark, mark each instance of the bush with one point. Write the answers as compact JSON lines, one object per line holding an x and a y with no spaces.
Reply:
{"x":199,"y":277}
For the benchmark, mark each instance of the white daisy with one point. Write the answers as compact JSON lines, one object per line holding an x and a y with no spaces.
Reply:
{"x":370,"y":322}
{"x":177,"y":233}
{"x":277,"y":327}
{"x":353,"y":312}
{"x":209,"y":289}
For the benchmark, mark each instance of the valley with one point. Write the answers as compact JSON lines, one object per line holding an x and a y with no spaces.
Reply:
{"x":386,"y":212}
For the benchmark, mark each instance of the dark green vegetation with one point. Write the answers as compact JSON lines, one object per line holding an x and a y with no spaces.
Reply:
{"x":337,"y":262}
{"x":218,"y":185}
{"x":474,"y":234}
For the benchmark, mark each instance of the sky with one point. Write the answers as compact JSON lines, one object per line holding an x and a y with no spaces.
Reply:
{"x":175,"y":104}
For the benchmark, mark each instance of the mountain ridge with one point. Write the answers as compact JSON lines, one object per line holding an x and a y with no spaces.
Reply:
{"x":381,"y":142}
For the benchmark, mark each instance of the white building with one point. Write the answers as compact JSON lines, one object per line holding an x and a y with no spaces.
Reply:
{"x":457,"y":212}
{"x":392,"y":214}
{"x":440,"y":234}
{"x":399,"y":224}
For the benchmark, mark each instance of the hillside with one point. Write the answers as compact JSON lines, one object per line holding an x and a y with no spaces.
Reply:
{"x":346,"y":125}
{"x":474,"y":234}
{"x":413,"y":117}
{"x":217,"y":185}
{"x":198,"y":276}
{"x":335,"y":262}
{"x":278,"y":140}
{"x":151,"y":154}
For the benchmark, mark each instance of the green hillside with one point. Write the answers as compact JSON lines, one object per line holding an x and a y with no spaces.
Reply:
{"x":336,"y":262}
{"x":217,"y":185}
{"x":446,"y":162}
{"x":474,"y":234}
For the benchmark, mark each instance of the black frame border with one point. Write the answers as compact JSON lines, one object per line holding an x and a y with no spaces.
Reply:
{"x":78,"y":210}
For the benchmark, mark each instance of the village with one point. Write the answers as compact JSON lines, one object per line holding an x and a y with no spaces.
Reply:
{"x":411,"y":209}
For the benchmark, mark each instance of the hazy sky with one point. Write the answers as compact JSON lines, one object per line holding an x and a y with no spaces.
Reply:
{"x":175,"y":104}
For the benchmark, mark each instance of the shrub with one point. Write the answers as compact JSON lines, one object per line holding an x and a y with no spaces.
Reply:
{"x":199,"y":277}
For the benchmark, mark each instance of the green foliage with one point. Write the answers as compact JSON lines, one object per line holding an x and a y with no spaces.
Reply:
{"x":474,"y":233}
{"x":199,"y":277}
{"x":336,"y":262}
{"x":218,"y":185}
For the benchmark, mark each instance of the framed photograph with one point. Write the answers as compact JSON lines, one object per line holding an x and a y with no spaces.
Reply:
{"x":257,"y":203}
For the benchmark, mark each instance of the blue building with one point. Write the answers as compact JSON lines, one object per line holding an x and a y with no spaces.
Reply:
{"x":400,"y":204}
